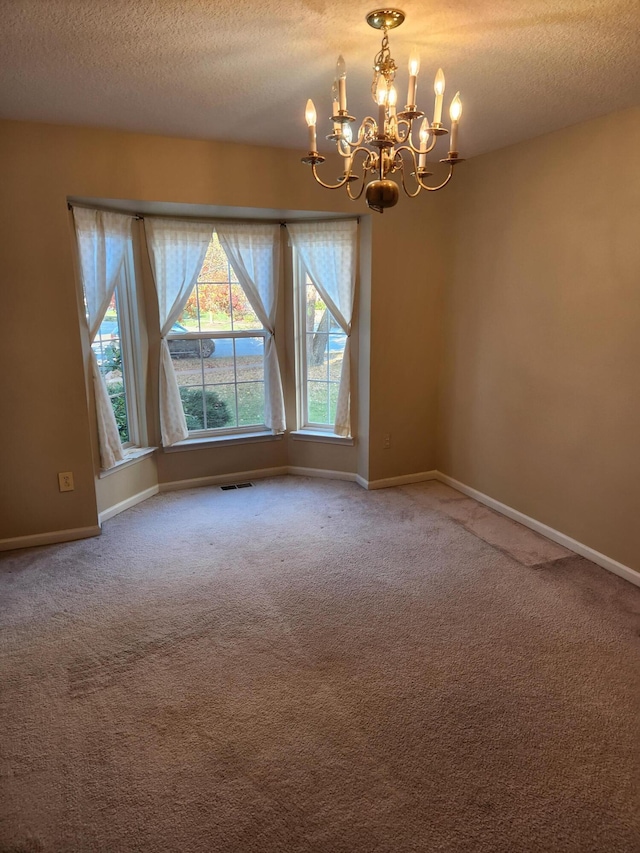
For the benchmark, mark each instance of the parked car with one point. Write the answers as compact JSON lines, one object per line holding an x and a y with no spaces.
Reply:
{"x":178,"y":347}
{"x":189,"y":347}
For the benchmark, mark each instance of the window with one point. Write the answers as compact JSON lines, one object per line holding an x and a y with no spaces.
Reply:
{"x":217,"y":348}
{"x":118,"y":357}
{"x":320,"y":351}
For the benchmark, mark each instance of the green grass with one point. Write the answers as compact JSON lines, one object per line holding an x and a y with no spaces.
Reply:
{"x":319,"y":396}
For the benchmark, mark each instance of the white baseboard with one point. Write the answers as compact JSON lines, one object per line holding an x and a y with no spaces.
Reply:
{"x":258,"y":474}
{"x":298,"y":471}
{"x":608,"y":563}
{"x":108,"y":513}
{"x":72,"y":534}
{"x":51,"y":538}
{"x":403,"y":480}
{"x":221,"y":479}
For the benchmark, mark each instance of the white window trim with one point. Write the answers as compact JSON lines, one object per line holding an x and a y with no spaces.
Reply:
{"x":305,"y":429}
{"x":320,"y":436}
{"x":218,"y":440}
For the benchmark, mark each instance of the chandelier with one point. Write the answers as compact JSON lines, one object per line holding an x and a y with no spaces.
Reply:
{"x":385,"y":144}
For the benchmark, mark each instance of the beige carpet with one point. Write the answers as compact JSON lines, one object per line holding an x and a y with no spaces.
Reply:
{"x":305,"y":666}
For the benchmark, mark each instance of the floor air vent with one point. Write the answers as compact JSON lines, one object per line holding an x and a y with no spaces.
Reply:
{"x":236,"y":486}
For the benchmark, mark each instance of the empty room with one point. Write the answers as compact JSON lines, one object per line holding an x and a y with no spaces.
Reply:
{"x":320,"y":468}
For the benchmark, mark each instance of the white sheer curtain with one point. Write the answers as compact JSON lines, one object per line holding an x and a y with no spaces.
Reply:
{"x":103,"y":239}
{"x":253,"y":251}
{"x":176,"y":249}
{"x":328,"y":251}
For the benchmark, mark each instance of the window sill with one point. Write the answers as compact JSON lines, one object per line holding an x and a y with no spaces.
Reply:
{"x":217,"y":441}
{"x":131,"y":457}
{"x":321,"y":436}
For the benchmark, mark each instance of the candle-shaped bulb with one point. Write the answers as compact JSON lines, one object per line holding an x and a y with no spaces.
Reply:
{"x":455,"y":110}
{"x":392,"y":100}
{"x":341,"y":77}
{"x":424,"y":136}
{"x":424,"y":133}
{"x":335,"y":105}
{"x":347,"y":137}
{"x":310,"y":113}
{"x":414,"y":67}
{"x":438,"y":87}
{"x":382,"y":93}
{"x":344,"y":143}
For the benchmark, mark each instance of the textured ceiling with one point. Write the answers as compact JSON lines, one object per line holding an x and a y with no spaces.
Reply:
{"x":243,"y":70}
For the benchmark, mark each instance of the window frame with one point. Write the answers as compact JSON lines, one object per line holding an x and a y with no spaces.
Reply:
{"x":303,"y":424}
{"x":129,"y":308}
{"x":234,"y":335}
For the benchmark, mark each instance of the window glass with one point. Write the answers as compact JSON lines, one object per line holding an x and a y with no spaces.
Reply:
{"x":320,"y":358}
{"x":217,"y":349}
{"x":108,"y":348}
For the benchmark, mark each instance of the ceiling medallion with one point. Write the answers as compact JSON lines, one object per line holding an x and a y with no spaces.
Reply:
{"x":384,"y":145}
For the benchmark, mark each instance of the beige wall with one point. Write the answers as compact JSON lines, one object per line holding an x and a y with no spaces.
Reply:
{"x":540,"y":402}
{"x":533,"y":249}
{"x":46,"y":424}
{"x":119,"y":485}
{"x":410,"y":262}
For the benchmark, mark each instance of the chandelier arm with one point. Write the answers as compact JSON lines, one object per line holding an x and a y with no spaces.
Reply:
{"x":368,"y":123}
{"x":440,"y":186}
{"x":351,"y":195}
{"x":322,"y":183}
{"x":357,"y":149}
{"x":407,"y":134}
{"x":409,"y":144}
{"x":398,"y":156}
{"x":367,"y":156}
{"x":421,"y":184}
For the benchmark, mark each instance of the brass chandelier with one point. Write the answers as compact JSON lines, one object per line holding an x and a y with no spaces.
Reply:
{"x":385,"y":144}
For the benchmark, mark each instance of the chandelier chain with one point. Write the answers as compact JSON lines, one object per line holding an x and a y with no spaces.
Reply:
{"x":383,"y":64}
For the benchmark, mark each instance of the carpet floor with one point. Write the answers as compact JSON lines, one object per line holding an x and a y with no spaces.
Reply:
{"x":306,"y":666}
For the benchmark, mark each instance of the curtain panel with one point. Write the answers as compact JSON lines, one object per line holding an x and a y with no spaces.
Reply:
{"x":103,"y":239}
{"x":253,"y":250}
{"x":328,"y":251}
{"x":177,"y":249}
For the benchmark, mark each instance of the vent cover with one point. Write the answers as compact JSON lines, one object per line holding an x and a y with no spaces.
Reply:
{"x":230,"y":486}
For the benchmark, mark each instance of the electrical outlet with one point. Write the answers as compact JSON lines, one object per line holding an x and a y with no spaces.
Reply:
{"x":386,"y":441}
{"x":65,"y":481}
